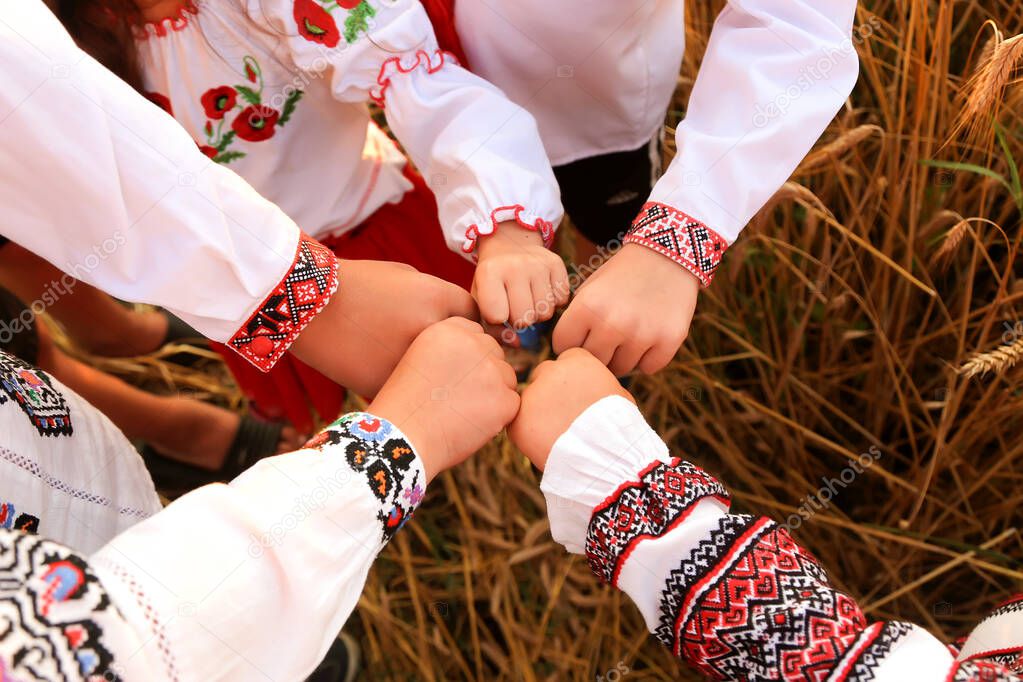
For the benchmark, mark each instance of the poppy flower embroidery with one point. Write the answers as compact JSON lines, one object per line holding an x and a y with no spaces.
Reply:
{"x":208,"y":150}
{"x":315,"y":23}
{"x":348,"y":4}
{"x":255,"y":123}
{"x":217,"y":101}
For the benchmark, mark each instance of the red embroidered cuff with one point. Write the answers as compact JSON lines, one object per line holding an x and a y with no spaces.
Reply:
{"x":680,"y":237}
{"x":293,"y":303}
{"x":392,"y":66}
{"x":660,"y":500}
{"x":504,"y":214}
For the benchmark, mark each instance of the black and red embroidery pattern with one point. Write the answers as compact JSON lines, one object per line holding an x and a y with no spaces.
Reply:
{"x":661,"y":499}
{"x":750,"y":603}
{"x":53,"y":609}
{"x":11,"y":520}
{"x":35,"y":394}
{"x":1008,"y":652}
{"x":296,"y":300}
{"x":376,"y":449}
{"x":680,"y":237}
{"x":866,"y":654}
{"x":982,"y":671}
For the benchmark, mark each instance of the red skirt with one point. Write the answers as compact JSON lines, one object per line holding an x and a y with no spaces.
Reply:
{"x":406,"y":232}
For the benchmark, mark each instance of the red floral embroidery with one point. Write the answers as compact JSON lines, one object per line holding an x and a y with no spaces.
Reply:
{"x":208,"y":150}
{"x":161,"y":101}
{"x":217,"y":101}
{"x":256,"y":123}
{"x":315,"y":23}
{"x":348,"y":4}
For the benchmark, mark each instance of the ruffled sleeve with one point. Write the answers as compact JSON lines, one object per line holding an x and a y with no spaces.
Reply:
{"x":479,"y":153}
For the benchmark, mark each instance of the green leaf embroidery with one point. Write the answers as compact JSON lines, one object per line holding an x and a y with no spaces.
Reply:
{"x":357,"y":21}
{"x":225,"y":140}
{"x":250,"y":95}
{"x":313,"y":29}
{"x":228,"y":157}
{"x":289,"y":107}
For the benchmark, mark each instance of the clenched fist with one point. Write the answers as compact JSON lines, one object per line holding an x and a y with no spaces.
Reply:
{"x":559,"y":391}
{"x":634,"y":311}
{"x":451,"y":393}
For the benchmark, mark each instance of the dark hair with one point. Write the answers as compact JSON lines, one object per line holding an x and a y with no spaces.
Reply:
{"x":103,"y":28}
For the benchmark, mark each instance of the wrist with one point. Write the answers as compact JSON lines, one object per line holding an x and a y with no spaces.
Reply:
{"x":508,"y":235}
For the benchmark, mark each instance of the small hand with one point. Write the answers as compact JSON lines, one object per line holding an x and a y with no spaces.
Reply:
{"x":451,"y":393}
{"x":634,"y":311}
{"x":559,"y":391}
{"x":518,"y":280}
{"x":378,"y":310}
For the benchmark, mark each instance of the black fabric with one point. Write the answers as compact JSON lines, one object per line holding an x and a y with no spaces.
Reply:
{"x":603,"y":194}
{"x":18,"y":333}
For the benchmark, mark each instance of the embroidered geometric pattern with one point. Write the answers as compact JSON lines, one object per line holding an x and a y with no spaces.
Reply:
{"x":293,"y":303}
{"x":750,"y":603}
{"x":32,"y":467}
{"x":52,"y":608}
{"x":661,"y":499}
{"x":375,"y":448}
{"x":680,"y":237}
{"x":35,"y":395}
{"x":982,"y":671}
{"x":869,"y":650}
{"x":24,"y":522}
{"x":1007,"y":619}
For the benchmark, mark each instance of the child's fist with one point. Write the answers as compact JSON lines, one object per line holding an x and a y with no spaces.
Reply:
{"x":634,"y":311}
{"x":450,"y":393}
{"x":559,"y":391}
{"x":518,"y":280}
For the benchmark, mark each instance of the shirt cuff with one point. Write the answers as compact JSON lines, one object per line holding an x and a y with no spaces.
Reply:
{"x":299,"y":297}
{"x":608,"y":444}
{"x":518,"y":213}
{"x":680,"y":237}
{"x":378,"y":450}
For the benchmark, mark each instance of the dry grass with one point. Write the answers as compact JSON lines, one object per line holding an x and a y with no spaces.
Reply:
{"x":839,"y":322}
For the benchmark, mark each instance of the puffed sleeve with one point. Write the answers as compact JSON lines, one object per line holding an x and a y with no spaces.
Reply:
{"x":730,"y":594}
{"x":111,"y":190}
{"x":772,"y":78}
{"x":479,"y":153}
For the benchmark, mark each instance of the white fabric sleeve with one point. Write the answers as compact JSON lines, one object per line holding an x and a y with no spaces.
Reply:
{"x":772,"y":78}
{"x":731,"y":594}
{"x":479,"y":153}
{"x":253,"y":580}
{"x":111,"y":190}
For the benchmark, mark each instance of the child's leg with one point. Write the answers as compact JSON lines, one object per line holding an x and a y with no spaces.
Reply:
{"x":96,"y":321}
{"x":189,"y":431}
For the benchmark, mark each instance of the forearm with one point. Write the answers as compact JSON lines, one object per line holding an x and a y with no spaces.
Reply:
{"x":731,"y":594}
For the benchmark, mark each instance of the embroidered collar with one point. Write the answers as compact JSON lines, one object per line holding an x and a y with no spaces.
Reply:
{"x":162,"y":27}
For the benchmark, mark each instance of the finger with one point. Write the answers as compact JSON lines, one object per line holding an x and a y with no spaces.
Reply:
{"x":626,"y":357}
{"x":503,"y":333}
{"x":657,"y":358}
{"x":543,"y":297}
{"x":560,"y":286}
{"x":463,"y":323}
{"x":571,"y":329}
{"x":540,"y":370}
{"x":602,"y":342}
{"x":507,"y":373}
{"x":459,"y":302}
{"x":520,"y":302}
{"x":492,"y":299}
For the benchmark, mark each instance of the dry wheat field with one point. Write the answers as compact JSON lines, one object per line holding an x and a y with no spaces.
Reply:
{"x":875,"y":306}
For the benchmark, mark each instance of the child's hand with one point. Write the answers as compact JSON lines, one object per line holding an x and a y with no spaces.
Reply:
{"x":634,"y":311}
{"x":451,"y":393}
{"x":518,"y":280}
{"x":378,"y":310}
{"x":559,"y":391}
